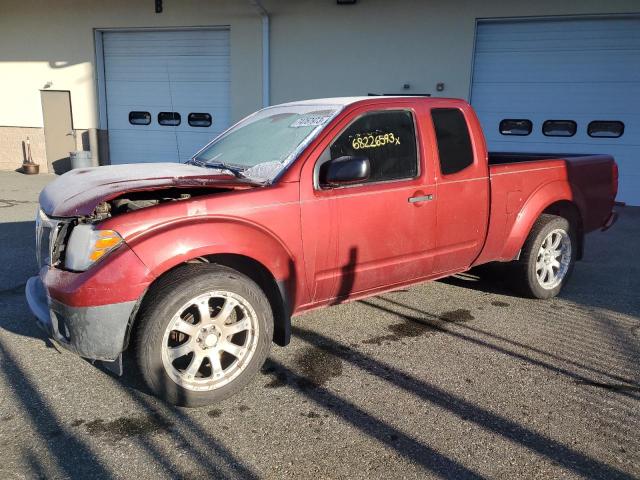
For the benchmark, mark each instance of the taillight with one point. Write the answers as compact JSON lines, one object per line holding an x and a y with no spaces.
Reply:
{"x":614,"y":179}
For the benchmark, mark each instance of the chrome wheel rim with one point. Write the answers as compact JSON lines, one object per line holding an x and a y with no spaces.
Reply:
{"x":554,"y":258}
{"x":210,"y":340}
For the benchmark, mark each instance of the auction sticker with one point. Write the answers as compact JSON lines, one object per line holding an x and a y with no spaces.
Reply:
{"x":310,"y":121}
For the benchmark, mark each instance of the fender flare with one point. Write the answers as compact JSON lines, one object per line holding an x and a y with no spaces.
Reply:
{"x":536,"y":204}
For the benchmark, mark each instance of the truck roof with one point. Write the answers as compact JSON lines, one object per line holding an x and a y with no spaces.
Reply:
{"x":341,"y":101}
{"x":344,"y":101}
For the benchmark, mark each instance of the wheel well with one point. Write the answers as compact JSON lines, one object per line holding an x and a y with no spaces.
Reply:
{"x":275,"y":292}
{"x":569,"y":210}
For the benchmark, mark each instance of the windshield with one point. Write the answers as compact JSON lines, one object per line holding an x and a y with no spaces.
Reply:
{"x":263,"y":144}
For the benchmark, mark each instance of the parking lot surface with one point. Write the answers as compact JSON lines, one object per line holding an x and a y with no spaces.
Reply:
{"x":451,"y":379}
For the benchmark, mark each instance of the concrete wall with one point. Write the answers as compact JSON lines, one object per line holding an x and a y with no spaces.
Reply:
{"x":318,"y":48}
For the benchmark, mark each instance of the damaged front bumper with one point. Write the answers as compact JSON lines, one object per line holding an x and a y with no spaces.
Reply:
{"x":96,"y":332}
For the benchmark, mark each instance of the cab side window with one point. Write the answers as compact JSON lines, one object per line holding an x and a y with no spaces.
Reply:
{"x":387,"y":139}
{"x":454,"y":143}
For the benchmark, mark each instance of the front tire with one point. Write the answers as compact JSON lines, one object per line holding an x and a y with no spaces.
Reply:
{"x":204,"y":331}
{"x":547,"y":258}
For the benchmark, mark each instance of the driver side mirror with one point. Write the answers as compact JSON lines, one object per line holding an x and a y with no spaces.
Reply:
{"x":346,"y":170}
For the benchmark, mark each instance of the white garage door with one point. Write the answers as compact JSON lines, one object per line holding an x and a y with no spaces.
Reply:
{"x":167,"y":92}
{"x":562,"y":71}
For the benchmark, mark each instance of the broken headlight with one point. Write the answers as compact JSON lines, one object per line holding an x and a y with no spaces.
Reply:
{"x":86,"y":246}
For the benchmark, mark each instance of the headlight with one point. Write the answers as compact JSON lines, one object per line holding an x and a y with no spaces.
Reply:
{"x":86,"y":246}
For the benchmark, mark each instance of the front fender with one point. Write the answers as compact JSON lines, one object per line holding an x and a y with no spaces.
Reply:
{"x":169,"y":245}
{"x":538,"y":201}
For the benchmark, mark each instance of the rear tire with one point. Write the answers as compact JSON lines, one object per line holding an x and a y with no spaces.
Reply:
{"x":547,"y":258}
{"x":204,"y":331}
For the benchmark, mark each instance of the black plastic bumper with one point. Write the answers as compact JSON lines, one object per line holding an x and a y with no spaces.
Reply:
{"x":97,"y":333}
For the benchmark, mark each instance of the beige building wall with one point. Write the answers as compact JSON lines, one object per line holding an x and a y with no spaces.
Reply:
{"x":47,"y":44}
{"x":44,"y":42}
{"x":318,"y":48}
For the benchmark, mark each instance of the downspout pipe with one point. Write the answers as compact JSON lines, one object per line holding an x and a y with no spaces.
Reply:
{"x":266,"y":49}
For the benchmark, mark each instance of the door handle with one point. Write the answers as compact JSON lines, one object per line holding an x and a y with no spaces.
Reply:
{"x":421,"y":198}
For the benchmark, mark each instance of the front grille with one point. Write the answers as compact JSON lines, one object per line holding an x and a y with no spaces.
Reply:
{"x":44,"y":236}
{"x":50,"y":233}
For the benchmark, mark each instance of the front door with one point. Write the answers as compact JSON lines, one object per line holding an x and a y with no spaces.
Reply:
{"x":377,"y":233}
{"x":58,"y":129}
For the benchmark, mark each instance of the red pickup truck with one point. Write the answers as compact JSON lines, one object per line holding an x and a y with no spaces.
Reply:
{"x":199,"y":267}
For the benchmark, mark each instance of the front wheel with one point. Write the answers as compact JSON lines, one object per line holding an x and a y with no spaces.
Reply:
{"x":204,"y":332}
{"x":547,"y":258}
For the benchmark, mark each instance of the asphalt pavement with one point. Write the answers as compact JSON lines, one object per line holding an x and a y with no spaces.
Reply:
{"x":451,"y":379}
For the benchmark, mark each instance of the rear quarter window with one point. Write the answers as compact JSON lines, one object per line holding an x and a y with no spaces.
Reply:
{"x":454,"y":142}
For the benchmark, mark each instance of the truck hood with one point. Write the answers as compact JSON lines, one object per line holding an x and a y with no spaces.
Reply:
{"x":78,"y":192}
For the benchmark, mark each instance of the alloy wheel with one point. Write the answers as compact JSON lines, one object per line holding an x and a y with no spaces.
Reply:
{"x":210,"y":340}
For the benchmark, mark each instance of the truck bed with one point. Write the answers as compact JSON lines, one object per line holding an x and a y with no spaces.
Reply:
{"x":516,"y":177}
{"x":499,"y":158}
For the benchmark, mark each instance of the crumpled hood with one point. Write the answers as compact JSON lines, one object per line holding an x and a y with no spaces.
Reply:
{"x":78,"y":192}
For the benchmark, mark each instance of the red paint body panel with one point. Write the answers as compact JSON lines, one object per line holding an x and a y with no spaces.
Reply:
{"x":364,"y":248}
{"x":345,"y":243}
{"x":120,"y":277}
{"x":462,"y":201}
{"x":77,"y":192}
{"x":520,"y":192}
{"x":261,"y":223}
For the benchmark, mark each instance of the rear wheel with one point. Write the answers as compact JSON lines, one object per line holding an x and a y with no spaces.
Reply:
{"x":203,"y":334}
{"x":547,"y":258}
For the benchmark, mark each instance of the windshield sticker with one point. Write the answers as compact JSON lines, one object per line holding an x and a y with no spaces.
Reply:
{"x":310,"y":121}
{"x":368,"y":140}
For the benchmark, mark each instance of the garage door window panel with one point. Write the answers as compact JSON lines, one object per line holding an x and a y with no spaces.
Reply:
{"x":169,"y":119}
{"x":519,"y":127}
{"x":605,"y":129}
{"x":199,"y":119}
{"x":559,"y":128}
{"x":139,"y":118}
{"x":454,"y":142}
{"x":387,"y":139}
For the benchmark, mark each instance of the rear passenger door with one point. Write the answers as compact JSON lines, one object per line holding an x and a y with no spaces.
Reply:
{"x":462,"y":189}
